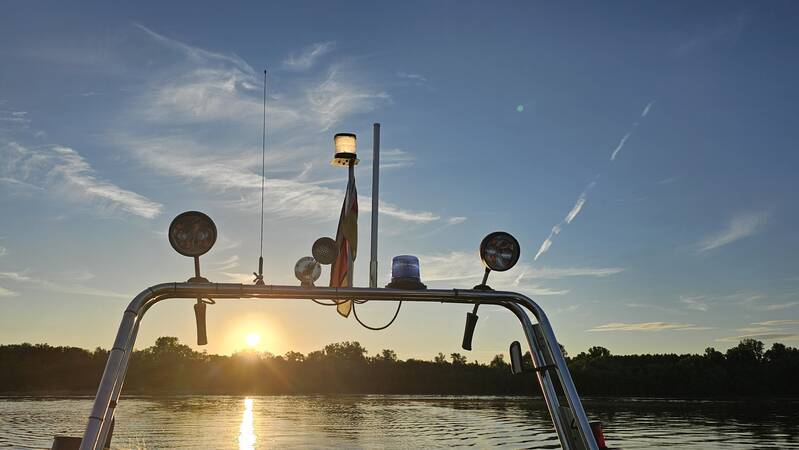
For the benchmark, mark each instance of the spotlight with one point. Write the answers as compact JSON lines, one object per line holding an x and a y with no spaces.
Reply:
{"x":307,"y":270}
{"x":325,"y":250}
{"x":192,"y":233}
{"x":499,"y":251}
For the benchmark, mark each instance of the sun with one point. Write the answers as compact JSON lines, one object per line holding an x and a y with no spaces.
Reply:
{"x":253,"y":339}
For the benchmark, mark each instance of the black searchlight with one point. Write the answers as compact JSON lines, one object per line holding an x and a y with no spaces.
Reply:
{"x":192,"y":233}
{"x":499,"y":251}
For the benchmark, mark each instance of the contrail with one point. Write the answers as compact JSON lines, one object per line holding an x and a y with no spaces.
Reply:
{"x":581,"y":200}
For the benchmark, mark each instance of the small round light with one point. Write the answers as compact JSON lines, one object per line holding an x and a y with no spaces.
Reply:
{"x":307,"y":270}
{"x":192,"y":233}
{"x":405,"y":273}
{"x":325,"y":250}
{"x":499,"y":251}
{"x":345,"y":146}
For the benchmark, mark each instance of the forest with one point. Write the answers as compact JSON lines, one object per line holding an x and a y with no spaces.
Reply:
{"x":170,"y":367}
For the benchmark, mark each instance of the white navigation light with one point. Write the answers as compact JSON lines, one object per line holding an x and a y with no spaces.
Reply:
{"x":499,"y":251}
{"x":345,"y":145}
{"x":192,"y":233}
{"x":405,"y":273}
{"x":307,"y":270}
{"x":324,"y":250}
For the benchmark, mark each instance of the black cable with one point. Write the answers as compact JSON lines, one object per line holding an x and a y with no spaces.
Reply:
{"x":396,"y":313}
{"x":335,"y":303}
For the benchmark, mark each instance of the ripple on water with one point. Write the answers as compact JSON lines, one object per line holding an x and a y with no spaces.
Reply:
{"x":397,"y":422}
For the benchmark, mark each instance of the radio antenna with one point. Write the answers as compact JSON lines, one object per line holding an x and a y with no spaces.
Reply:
{"x":259,"y":277}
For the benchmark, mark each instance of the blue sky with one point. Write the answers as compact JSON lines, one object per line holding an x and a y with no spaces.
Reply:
{"x":643,"y":153}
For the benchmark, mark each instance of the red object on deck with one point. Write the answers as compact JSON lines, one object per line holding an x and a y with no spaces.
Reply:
{"x":599,"y":435}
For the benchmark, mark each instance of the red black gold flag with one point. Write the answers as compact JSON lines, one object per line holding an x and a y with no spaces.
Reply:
{"x":347,"y":241}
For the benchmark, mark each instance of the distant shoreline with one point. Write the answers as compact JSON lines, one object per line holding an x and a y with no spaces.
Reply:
{"x":169,"y":368}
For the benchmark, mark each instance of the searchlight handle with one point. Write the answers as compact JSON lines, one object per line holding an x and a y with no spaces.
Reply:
{"x":471,"y":317}
{"x":199,"y":316}
{"x":200,"y":306}
{"x":468,"y":332}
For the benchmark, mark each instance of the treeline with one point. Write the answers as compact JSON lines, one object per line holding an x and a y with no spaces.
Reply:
{"x":169,"y":367}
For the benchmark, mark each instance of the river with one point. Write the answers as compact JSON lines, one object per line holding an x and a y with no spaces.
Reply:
{"x":376,"y":421}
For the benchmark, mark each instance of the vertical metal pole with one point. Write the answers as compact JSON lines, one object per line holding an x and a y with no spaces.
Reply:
{"x":375,"y":204}
{"x":351,"y":260}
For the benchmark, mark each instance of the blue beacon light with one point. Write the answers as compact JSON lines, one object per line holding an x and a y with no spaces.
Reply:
{"x":405,"y":273}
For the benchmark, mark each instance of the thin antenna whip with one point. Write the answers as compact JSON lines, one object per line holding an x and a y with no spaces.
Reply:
{"x":259,"y":277}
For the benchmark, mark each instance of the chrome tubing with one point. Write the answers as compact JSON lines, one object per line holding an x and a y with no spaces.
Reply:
{"x":113,"y":376}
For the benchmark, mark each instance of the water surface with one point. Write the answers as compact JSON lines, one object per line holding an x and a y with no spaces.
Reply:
{"x":376,"y":421}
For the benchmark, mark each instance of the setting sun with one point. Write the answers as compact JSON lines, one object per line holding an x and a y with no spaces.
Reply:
{"x":253,"y":339}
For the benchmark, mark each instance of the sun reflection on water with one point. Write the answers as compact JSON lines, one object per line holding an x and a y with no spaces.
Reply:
{"x":246,"y":430}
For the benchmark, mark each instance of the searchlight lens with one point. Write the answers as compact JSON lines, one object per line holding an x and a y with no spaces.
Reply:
{"x":324,"y":250}
{"x":499,"y":251}
{"x":192,"y":233}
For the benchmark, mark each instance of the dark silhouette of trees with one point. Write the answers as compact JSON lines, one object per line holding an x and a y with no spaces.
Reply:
{"x":169,"y":367}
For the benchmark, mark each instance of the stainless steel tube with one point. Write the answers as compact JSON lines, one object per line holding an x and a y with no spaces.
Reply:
{"x":114,"y":373}
{"x":375,"y":204}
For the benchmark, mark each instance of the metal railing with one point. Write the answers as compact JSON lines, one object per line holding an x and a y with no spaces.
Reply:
{"x":570,"y":420}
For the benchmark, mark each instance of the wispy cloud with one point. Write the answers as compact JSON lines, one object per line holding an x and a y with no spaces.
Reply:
{"x":768,"y":330}
{"x":65,"y":288}
{"x":63,"y":171}
{"x":307,"y":57}
{"x":225,"y":265}
{"x":695,"y":302}
{"x":7,"y":292}
{"x":412,"y":76}
{"x":195,"y":53}
{"x":739,"y":227}
{"x":336,"y":97}
{"x":394,"y":158}
{"x":780,"y":306}
{"x":466,"y":267}
{"x":554,"y":273}
{"x":777,"y":323}
{"x":760,"y":337}
{"x":706,"y":302}
{"x":647,"y":326}
{"x":285,"y":198}
{"x":207,"y":88}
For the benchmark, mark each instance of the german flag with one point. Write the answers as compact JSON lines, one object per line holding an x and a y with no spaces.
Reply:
{"x":347,"y":241}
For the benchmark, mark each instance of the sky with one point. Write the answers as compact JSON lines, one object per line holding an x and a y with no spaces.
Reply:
{"x":643,"y":154}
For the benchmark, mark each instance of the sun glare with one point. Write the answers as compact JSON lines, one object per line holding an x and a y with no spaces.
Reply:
{"x":253,"y":339}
